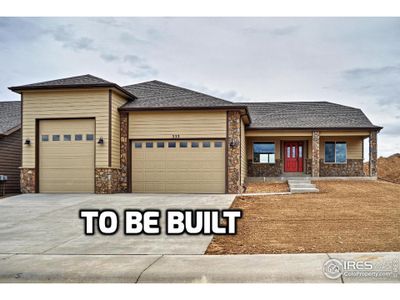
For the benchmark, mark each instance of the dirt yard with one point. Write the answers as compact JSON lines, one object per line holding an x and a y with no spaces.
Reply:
{"x":266,"y":187}
{"x":352,"y":216}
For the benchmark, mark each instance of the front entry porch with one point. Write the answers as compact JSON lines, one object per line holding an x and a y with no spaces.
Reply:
{"x":285,"y":154}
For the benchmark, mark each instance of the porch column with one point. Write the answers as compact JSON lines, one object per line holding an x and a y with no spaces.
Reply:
{"x":373,"y":153}
{"x":315,"y":154}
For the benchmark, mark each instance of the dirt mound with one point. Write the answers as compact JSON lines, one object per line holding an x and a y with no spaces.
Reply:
{"x":388,"y":168}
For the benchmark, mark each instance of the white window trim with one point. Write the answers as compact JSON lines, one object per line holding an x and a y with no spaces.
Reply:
{"x":334,"y":163}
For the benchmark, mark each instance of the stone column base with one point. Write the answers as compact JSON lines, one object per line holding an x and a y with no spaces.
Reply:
{"x":107,"y":180}
{"x":28,"y":180}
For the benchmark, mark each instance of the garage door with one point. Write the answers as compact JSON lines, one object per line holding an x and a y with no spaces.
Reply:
{"x":66,"y":156}
{"x":178,"y":166}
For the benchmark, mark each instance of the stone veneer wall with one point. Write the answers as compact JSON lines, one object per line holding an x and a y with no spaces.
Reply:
{"x":308,"y":166}
{"x":107,"y":180}
{"x":28,"y":180}
{"x":124,"y":186}
{"x":353,"y":167}
{"x":315,"y":154}
{"x":264,"y":170}
{"x":373,"y":153}
{"x":233,"y":149}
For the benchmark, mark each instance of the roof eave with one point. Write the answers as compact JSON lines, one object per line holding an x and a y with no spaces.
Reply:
{"x":378,"y":128}
{"x":20,"y":89}
{"x":183,"y":108}
{"x":11,"y":130}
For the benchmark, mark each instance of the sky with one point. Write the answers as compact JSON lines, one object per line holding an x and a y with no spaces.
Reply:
{"x":350,"y":61}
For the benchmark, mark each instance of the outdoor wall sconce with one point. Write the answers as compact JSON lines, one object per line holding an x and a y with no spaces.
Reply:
{"x":27,"y":142}
{"x":101,"y":141}
{"x":234,"y":144}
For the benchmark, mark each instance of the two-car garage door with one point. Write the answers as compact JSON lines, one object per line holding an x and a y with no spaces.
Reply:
{"x":66,"y":156}
{"x":170,"y":166}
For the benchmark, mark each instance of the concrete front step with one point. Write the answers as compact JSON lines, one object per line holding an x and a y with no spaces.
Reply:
{"x":304,"y":190}
{"x":302,"y":186}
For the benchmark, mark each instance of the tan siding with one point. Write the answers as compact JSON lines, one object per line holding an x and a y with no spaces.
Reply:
{"x":344,"y":133}
{"x":354,"y":146}
{"x":277,"y":133}
{"x":186,"y":124}
{"x":10,"y":160}
{"x":65,"y":104}
{"x":243,"y":154}
{"x":117,"y":101}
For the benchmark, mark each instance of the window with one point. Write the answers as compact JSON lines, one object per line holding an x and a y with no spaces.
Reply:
{"x":335,"y":152}
{"x":67,"y":137}
{"x":171,"y":145}
{"x":218,"y":144}
{"x":264,"y":153}
{"x":56,"y":137}
{"x":78,"y":137}
{"x":89,"y":137}
{"x":160,"y":144}
{"x":45,"y":138}
{"x":183,"y":144}
{"x":195,"y":144}
{"x":138,"y":145}
{"x":149,"y":144}
{"x":206,"y":144}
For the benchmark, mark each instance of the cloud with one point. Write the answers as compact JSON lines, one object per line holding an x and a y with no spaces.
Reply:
{"x":109,"y":57}
{"x":380,"y":83}
{"x":68,"y":39}
{"x":139,"y":67}
{"x":277,"y":31}
{"x":231,"y":95}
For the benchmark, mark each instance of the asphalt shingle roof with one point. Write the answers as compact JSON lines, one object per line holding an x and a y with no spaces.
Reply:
{"x":306,"y":115}
{"x":10,"y":115}
{"x":72,"y":82}
{"x":157,"y":94}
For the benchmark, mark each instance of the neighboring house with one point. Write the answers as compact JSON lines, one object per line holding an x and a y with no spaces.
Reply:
{"x":86,"y":134}
{"x":10,"y":144}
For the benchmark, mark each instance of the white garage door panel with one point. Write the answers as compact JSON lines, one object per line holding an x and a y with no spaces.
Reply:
{"x":66,"y":166}
{"x":178,"y":170}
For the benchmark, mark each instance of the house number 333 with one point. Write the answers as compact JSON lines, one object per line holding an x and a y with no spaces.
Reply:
{"x":175,"y":136}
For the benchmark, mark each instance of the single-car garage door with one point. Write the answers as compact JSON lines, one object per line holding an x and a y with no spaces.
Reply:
{"x":192,"y":166}
{"x":66,"y":156}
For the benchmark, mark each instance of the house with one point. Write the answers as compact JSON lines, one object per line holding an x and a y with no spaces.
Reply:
{"x":86,"y":134}
{"x":10,"y":144}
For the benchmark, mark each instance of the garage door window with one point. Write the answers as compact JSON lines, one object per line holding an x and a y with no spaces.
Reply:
{"x":171,"y":145}
{"x":195,"y":144}
{"x":218,"y":144}
{"x":149,"y":144}
{"x":45,"y":138}
{"x":206,"y":144}
{"x":67,"y":137}
{"x":160,"y":144}
{"x":56,"y":137}
{"x":138,"y":145}
{"x":89,"y":137}
{"x":183,"y":144}
{"x":78,"y":137}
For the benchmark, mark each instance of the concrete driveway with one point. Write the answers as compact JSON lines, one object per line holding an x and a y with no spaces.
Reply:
{"x":50,"y":224}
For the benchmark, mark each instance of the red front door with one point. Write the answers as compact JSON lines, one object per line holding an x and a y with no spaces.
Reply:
{"x":293,"y":156}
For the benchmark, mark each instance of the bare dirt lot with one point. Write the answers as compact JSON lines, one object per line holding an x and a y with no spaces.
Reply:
{"x":266,"y":187}
{"x":388,"y":168}
{"x":346,"y":216}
